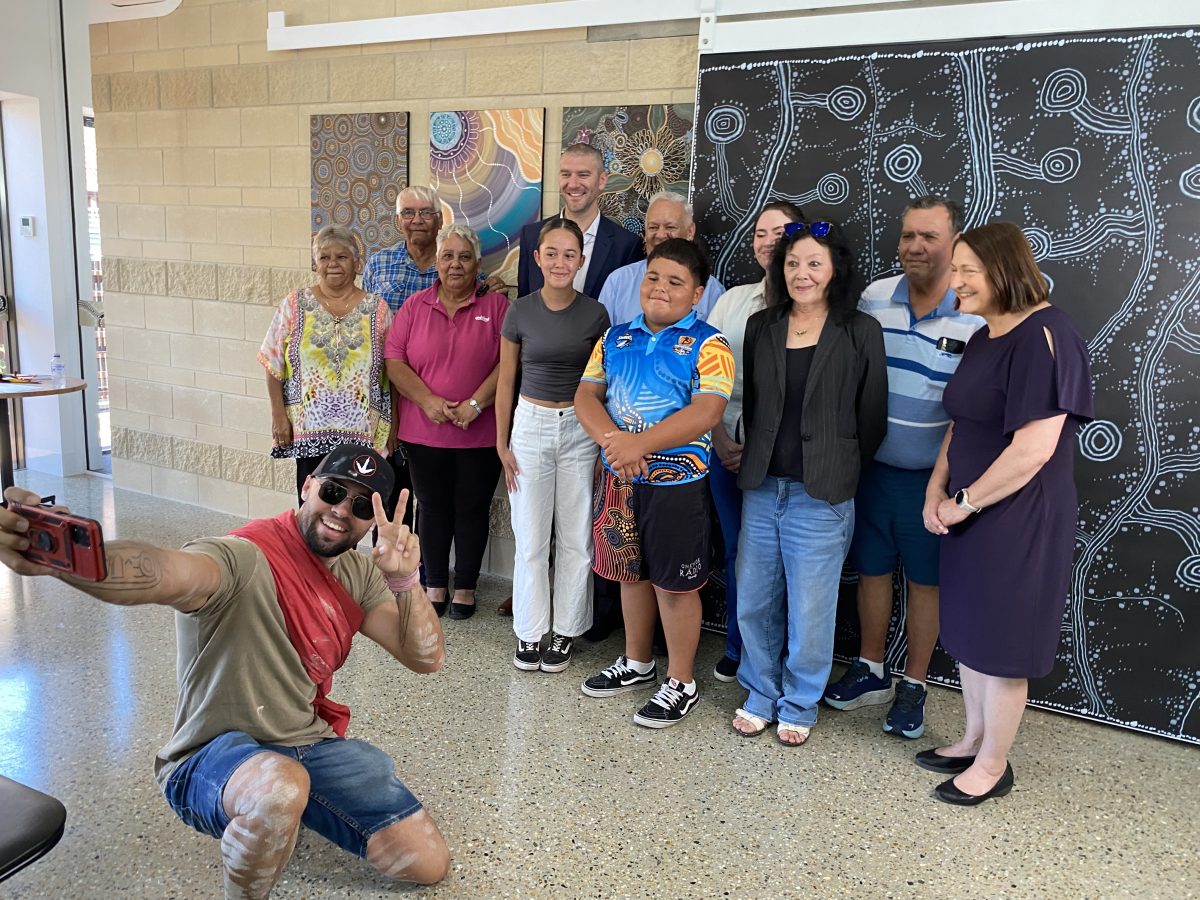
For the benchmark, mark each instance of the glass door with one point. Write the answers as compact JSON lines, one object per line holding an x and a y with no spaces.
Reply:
{"x":92,"y":316}
{"x":9,"y":361}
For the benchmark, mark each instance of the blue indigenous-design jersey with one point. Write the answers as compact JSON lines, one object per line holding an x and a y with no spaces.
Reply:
{"x":649,"y":376}
{"x":918,"y":369}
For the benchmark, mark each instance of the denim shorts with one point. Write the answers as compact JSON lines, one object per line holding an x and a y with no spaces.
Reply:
{"x":354,"y":793}
{"x":889,"y":526}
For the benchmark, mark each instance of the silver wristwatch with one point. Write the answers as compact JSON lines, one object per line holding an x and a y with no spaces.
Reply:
{"x":963,"y":501}
{"x":474,"y":404}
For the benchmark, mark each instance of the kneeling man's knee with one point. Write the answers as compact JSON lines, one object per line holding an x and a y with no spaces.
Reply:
{"x":412,"y":849}
{"x":269,"y":789}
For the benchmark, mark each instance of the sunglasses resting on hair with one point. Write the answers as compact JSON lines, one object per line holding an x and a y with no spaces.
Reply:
{"x":816,"y":229}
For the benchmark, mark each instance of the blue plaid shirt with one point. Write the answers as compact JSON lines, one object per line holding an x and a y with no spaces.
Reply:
{"x":391,"y":274}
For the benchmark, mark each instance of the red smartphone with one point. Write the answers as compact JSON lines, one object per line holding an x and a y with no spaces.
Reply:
{"x":65,"y":542}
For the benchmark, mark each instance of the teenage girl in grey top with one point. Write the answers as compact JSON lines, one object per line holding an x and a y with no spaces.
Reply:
{"x":549,"y":460}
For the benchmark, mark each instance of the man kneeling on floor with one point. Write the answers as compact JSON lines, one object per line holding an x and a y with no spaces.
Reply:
{"x":264,"y":617}
{"x":650,"y":395}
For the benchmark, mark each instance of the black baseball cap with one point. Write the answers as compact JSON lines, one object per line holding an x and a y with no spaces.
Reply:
{"x":362,"y":465}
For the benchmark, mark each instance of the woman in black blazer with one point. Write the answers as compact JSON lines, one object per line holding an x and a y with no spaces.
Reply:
{"x":815,"y":412}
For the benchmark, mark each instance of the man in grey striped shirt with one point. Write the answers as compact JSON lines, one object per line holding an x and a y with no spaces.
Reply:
{"x":925,"y":336}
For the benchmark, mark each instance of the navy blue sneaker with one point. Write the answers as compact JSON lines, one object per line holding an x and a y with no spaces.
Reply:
{"x":907,"y":715}
{"x":859,"y":686}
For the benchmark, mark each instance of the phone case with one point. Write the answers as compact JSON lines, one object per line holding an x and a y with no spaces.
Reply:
{"x":65,"y":542}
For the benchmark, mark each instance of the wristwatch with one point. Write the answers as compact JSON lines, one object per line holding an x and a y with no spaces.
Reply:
{"x":474,"y":404}
{"x":963,"y":501}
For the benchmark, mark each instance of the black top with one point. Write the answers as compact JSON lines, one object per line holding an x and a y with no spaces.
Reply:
{"x":787,"y":458}
{"x":844,"y":417}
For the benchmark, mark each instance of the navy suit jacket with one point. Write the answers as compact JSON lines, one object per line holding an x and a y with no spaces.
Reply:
{"x":614,"y":247}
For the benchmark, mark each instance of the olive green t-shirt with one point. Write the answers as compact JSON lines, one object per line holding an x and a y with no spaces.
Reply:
{"x":237,"y":669}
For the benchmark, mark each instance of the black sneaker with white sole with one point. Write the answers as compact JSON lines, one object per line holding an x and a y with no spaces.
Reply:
{"x":557,"y":655}
{"x":670,"y":704}
{"x":619,"y":678}
{"x":726,"y":669}
{"x":528,"y":657}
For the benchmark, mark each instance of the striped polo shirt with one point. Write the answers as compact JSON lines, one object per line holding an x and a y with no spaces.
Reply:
{"x":917,"y":370}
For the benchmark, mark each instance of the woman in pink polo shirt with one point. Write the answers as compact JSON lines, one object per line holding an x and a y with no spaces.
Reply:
{"x":443,"y":356}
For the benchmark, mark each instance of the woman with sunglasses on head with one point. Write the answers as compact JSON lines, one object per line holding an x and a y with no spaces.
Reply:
{"x":815,"y":412}
{"x":323,"y":354}
{"x":1003,"y":489}
{"x":549,"y":460}
{"x":729,"y":317}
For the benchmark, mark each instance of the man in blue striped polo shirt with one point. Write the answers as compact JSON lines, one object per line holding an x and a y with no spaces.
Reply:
{"x":925,"y":336}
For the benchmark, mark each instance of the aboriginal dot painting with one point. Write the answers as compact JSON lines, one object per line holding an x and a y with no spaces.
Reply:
{"x":1092,"y":144}
{"x":486,"y":166}
{"x":359,"y":165}
{"x":646,"y":149}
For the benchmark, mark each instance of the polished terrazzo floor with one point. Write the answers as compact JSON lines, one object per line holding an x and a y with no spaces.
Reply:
{"x":543,"y":792}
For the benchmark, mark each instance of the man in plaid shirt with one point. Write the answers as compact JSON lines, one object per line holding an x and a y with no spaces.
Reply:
{"x":396,"y":273}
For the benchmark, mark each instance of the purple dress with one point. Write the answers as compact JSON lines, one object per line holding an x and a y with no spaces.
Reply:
{"x":1005,"y":572}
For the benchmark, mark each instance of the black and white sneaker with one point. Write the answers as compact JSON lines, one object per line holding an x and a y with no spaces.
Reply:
{"x":558,"y":653}
{"x":528,"y":657}
{"x":670,"y":704}
{"x":619,"y":678}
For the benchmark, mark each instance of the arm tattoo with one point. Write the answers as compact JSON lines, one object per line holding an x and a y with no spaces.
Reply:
{"x":132,"y":567}
{"x":135,"y":575}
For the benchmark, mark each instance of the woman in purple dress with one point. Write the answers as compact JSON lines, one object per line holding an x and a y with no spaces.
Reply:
{"x":1003,"y":495}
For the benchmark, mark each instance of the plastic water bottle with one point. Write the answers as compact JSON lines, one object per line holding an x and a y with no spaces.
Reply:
{"x":58,"y":372}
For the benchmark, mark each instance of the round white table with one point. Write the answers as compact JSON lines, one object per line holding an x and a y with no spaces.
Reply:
{"x":18,"y":391}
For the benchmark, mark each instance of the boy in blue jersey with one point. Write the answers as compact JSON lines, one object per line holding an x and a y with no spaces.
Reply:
{"x":650,"y":395}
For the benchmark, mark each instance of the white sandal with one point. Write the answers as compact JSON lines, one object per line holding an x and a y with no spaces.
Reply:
{"x":782,"y":728}
{"x":760,"y":724}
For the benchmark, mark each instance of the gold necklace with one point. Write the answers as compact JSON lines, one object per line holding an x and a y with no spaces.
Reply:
{"x":801,"y":332}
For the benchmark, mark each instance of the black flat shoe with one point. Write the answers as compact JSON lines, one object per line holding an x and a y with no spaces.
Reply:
{"x":933,"y":761}
{"x":462,"y":610}
{"x":948,"y":793}
{"x":439,"y":608}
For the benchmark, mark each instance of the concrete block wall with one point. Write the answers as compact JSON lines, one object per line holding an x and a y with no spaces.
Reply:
{"x":203,"y":162}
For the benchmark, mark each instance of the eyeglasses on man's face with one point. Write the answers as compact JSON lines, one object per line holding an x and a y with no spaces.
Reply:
{"x":426,"y":214}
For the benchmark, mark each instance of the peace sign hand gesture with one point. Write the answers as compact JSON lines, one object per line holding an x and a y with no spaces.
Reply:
{"x":398,"y":552}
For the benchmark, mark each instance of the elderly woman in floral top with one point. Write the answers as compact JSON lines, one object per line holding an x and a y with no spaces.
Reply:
{"x":324,"y":359}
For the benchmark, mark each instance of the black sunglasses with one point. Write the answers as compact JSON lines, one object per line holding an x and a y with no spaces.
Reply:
{"x":816,"y":229}
{"x":333,"y":493}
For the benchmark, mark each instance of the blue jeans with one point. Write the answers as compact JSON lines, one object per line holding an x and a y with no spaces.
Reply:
{"x":727,"y":497}
{"x":789,"y":566}
{"x":354,"y":791}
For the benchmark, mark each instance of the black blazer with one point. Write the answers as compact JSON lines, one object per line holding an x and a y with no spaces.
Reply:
{"x":845,"y":401}
{"x":614,"y":247}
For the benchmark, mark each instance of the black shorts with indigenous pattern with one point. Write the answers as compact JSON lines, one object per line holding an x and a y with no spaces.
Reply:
{"x":651,"y":532}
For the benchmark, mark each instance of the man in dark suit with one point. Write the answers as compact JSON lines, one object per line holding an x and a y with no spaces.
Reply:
{"x":606,"y":245}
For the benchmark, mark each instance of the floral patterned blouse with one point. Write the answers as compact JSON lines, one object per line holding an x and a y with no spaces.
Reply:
{"x":335,"y":386}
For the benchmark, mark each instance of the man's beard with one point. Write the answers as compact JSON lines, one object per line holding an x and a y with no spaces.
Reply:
{"x":308,"y":530}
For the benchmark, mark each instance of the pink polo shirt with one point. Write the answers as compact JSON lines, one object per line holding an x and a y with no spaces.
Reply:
{"x":453,"y":357}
